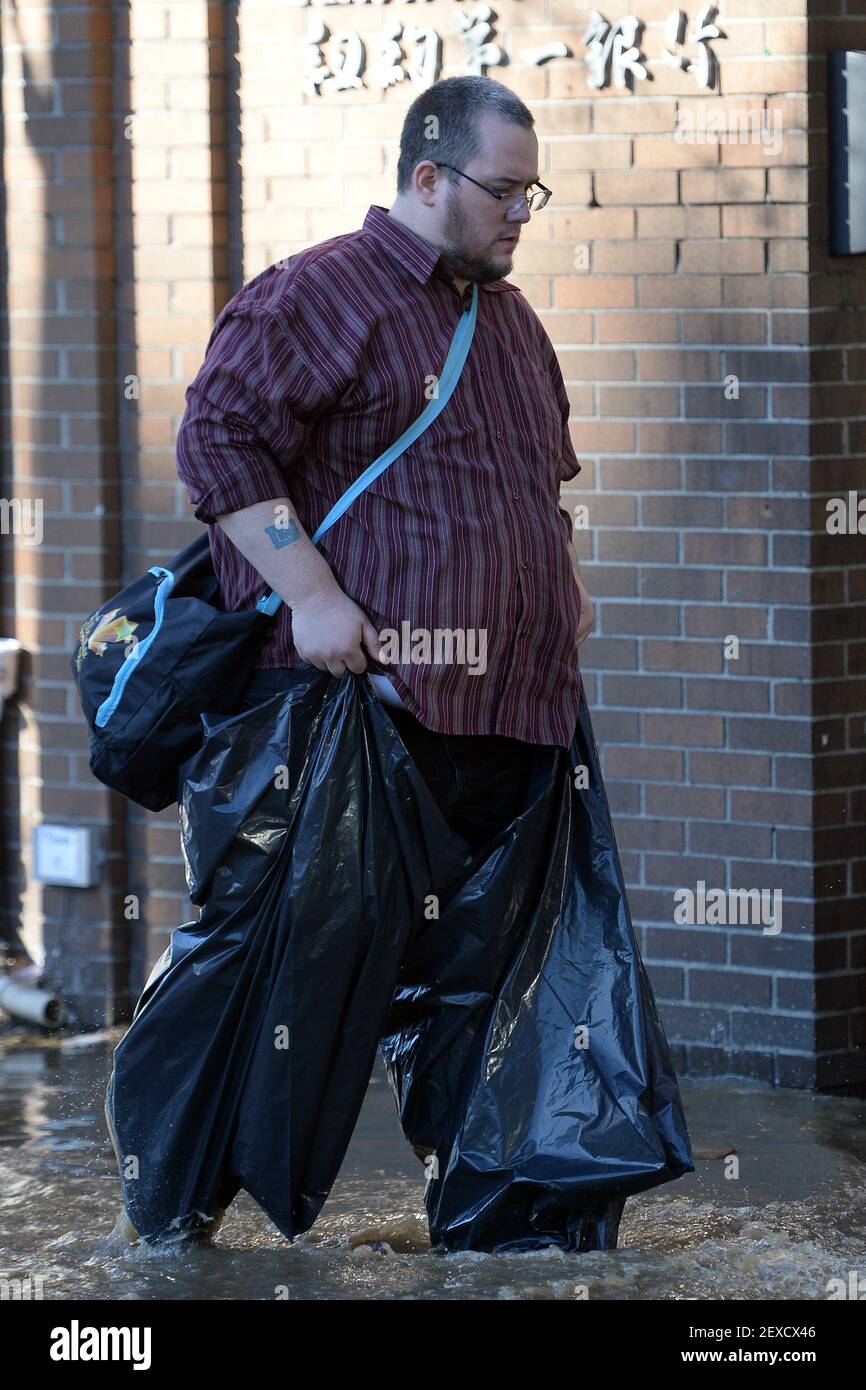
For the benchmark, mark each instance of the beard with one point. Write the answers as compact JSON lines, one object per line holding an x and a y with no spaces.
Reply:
{"x":456,"y":255}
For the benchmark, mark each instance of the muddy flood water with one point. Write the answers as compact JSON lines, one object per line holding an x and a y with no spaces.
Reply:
{"x":791,"y":1222}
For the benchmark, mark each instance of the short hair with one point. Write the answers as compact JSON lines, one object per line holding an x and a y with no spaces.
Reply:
{"x":444,"y":120}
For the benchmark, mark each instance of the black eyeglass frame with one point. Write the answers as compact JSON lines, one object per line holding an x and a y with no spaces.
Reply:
{"x":540,"y":188}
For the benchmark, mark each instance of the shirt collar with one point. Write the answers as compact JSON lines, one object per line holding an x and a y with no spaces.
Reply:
{"x":411,"y":250}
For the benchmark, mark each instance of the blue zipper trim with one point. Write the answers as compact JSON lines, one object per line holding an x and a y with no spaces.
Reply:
{"x":163,"y":589}
{"x":450,"y":375}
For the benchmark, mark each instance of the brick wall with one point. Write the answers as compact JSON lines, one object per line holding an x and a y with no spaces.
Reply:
{"x":710,"y":346}
{"x":837,"y":604}
{"x":60,"y":437}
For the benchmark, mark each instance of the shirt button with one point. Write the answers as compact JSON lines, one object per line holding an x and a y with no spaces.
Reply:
{"x":516,"y":496}
{"x":498,"y":434}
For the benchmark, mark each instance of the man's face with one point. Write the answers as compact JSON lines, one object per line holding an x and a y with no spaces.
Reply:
{"x":480,"y":233}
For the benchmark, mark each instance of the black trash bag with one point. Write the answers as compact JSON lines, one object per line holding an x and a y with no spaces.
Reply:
{"x":341,"y":914}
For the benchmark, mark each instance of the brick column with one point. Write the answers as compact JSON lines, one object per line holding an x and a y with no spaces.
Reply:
{"x":173,"y":233}
{"x":837,"y":298}
{"x":60,"y":453}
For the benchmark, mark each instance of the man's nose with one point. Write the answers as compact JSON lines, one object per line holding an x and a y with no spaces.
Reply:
{"x":521,"y":214}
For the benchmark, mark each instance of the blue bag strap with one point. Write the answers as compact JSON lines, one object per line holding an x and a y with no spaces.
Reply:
{"x":450,"y":375}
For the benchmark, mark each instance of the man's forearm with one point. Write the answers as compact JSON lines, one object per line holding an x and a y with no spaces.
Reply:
{"x":271,"y":537}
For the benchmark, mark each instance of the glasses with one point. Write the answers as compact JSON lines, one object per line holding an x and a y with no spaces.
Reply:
{"x":534,"y":201}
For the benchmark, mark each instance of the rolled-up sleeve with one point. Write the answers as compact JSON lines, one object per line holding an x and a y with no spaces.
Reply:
{"x":247,"y":415}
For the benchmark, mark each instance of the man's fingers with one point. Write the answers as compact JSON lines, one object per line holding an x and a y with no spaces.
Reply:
{"x":371,"y":640}
{"x":357,"y":662}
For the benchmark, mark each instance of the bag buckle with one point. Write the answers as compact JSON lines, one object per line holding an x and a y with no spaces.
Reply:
{"x":269,"y":602}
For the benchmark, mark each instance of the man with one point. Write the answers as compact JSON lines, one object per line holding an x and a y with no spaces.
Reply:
{"x":315,"y":367}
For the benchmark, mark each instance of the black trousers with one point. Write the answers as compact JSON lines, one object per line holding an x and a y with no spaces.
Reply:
{"x":479,"y":782}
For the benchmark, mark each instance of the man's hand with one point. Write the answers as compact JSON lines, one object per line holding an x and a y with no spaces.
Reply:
{"x":331,"y":632}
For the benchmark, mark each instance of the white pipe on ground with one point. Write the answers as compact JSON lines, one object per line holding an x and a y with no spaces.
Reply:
{"x":33,"y":1005}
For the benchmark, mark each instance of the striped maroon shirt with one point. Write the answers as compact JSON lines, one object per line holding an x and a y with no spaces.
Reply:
{"x":311,"y":371}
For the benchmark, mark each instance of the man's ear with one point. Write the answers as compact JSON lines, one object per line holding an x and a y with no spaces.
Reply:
{"x":425,"y":181}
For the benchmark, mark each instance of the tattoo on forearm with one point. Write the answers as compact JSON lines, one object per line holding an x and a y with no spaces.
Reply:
{"x":283,"y":535}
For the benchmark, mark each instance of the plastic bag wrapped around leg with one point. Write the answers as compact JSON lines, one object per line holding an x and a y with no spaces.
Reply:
{"x":525,"y":1052}
{"x":518,"y":1027}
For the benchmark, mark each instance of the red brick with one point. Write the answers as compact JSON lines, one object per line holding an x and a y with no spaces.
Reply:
{"x":675,"y":291}
{"x":633,"y":117}
{"x":770,"y":220}
{"x":788,"y":185}
{"x":668,"y":153}
{"x":642,"y":257}
{"x":680,"y":438}
{"x":741,"y":257}
{"x":763,"y":75}
{"x":683,"y":365}
{"x":678,"y":222}
{"x":732,"y":326}
{"x":634,"y":188}
{"x":595,"y":291}
{"x":637,"y":327}
{"x":591,"y":223}
{"x":723,"y":186}
{"x":592,"y":153}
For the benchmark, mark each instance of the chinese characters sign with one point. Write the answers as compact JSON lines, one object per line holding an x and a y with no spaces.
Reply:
{"x":337,"y":62}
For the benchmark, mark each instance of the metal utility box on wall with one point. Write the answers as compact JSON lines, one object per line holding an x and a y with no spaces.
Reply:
{"x":846,"y":126}
{"x":65,"y":855}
